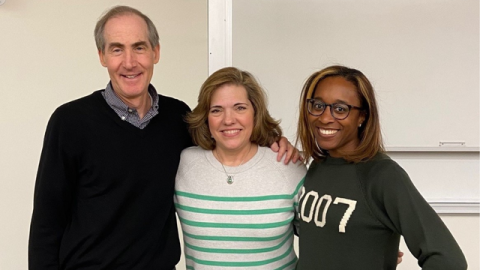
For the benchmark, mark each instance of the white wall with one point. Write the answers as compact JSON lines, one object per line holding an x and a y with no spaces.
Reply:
{"x":48,"y":57}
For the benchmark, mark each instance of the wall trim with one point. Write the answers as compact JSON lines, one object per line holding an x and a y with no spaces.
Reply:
{"x":456,"y":207}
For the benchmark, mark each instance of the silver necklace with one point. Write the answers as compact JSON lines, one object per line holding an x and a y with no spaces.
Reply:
{"x":229,"y":176}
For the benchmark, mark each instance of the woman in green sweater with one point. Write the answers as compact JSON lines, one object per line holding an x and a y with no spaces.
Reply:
{"x":356,"y":201}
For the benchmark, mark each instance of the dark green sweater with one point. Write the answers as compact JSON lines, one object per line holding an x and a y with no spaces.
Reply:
{"x":352,"y":217}
{"x":104,"y":189}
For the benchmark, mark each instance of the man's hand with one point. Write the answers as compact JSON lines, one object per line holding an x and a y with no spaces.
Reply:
{"x":284,"y":147}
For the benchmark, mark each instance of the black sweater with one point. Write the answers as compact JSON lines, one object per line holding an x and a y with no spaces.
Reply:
{"x":104,"y":189}
{"x":352,"y":216}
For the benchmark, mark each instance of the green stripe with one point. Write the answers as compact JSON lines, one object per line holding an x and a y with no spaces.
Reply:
{"x":233,"y":212}
{"x":240,"y":251}
{"x":287,"y":264}
{"x":234,"y":238}
{"x":236,"y":225}
{"x":233,"y":199}
{"x":240,"y":264}
{"x":300,"y":184}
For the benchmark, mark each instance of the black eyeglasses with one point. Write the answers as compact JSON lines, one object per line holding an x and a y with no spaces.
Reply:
{"x":339,"y":111}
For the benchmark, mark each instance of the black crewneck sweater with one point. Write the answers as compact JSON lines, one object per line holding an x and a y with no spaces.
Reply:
{"x":104,"y":189}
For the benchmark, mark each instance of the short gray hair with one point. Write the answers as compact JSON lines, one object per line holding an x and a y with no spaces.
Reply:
{"x":117,"y":11}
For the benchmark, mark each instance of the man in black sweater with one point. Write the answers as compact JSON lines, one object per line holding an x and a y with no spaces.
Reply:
{"x":104,"y":189}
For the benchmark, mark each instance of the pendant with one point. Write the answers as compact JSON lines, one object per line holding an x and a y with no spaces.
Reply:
{"x":229,"y":179}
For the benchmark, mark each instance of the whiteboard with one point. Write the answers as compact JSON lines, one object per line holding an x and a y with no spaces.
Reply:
{"x":421,"y":56}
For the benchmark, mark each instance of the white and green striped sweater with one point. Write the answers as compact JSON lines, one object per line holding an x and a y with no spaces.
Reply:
{"x":245,"y":225}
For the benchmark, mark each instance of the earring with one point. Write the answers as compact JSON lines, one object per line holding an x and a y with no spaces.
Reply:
{"x":360,"y":125}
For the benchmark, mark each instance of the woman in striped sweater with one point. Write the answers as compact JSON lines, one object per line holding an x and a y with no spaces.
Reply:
{"x":235,"y":202}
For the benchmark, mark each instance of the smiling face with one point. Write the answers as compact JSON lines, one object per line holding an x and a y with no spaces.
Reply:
{"x":331,"y":134}
{"x":231,"y":118}
{"x":128,"y":56}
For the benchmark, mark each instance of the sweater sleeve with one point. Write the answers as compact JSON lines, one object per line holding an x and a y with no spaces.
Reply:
{"x":404,"y":210}
{"x":297,"y":220}
{"x":52,"y":198}
{"x":296,"y":174}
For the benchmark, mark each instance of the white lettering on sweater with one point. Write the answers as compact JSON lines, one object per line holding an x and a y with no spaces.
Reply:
{"x":315,"y":205}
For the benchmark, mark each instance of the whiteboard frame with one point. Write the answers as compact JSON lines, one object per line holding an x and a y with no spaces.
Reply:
{"x":455,"y":207}
{"x":220,"y":36}
{"x":433,"y":149}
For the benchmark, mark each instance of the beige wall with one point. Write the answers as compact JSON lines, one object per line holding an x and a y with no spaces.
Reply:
{"x":48,"y":57}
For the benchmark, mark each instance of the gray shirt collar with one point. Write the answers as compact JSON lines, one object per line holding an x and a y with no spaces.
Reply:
{"x":129,"y":114}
